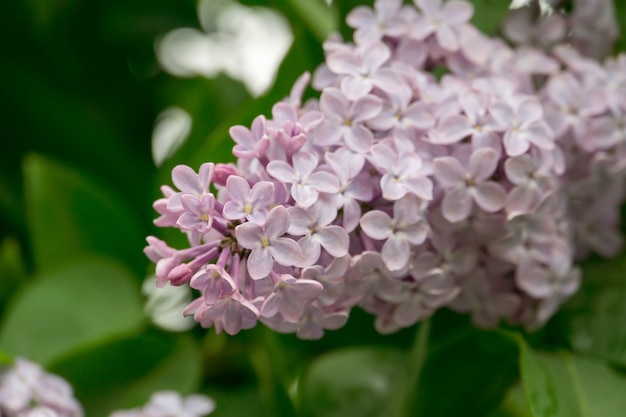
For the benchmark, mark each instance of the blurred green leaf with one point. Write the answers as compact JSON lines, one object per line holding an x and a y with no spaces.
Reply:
{"x":5,"y":359}
{"x":489,"y":14}
{"x":355,"y":382}
{"x":124,"y":373}
{"x":80,"y":304}
{"x":469,"y":377}
{"x":514,"y":404}
{"x":319,"y":18}
{"x":235,"y":402}
{"x":594,"y":319}
{"x":12,"y":271}
{"x":561,"y":384}
{"x":620,"y":15}
{"x":71,"y":213}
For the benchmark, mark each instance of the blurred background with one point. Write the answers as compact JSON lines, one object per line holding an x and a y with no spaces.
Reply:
{"x":101,"y":99}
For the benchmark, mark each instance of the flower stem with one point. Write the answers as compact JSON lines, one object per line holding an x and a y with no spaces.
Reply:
{"x":404,"y":403}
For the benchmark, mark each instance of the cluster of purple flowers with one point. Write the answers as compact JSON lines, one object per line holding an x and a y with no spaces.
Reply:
{"x":401,"y":193}
{"x":26,"y":390}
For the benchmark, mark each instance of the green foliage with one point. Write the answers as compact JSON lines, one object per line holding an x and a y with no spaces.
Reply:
{"x":83,"y":303}
{"x":593,"y":322}
{"x":489,"y":14}
{"x":12,"y":272}
{"x":71,"y":214}
{"x":562,"y":384}
{"x":123,"y":373}
{"x":356,"y":382}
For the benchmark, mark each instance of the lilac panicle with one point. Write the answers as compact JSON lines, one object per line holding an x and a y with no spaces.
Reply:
{"x":402,"y":193}
{"x":26,"y":389}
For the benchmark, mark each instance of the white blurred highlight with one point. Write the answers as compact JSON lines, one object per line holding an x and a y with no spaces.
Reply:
{"x":171,"y":129}
{"x":165,"y":305}
{"x":248,"y":44}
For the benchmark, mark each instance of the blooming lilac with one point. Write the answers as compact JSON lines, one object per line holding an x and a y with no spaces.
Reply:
{"x":267,"y":245}
{"x":290,"y":297}
{"x":344,"y":121}
{"x":467,"y":185}
{"x":372,"y":25}
{"x":405,"y":228}
{"x":306,"y":183}
{"x":251,"y":204}
{"x":27,"y":389}
{"x":171,"y":403}
{"x":441,"y":20}
{"x":400,"y":192}
{"x":402,"y":173}
{"x":363,"y":69}
{"x":314,"y":225}
{"x":523,"y":125}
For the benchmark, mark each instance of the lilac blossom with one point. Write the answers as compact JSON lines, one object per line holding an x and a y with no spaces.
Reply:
{"x":267,"y":245}
{"x":306,"y":182}
{"x":469,"y":184}
{"x":405,"y":228}
{"x":402,"y":173}
{"x":373,"y":25}
{"x":252,"y":204}
{"x":25,"y":389}
{"x":344,"y":120}
{"x":523,"y":125}
{"x":441,"y":20}
{"x":314,"y":225}
{"x":363,"y":69}
{"x":171,"y":403}
{"x":290,"y":297}
{"x":400,"y":192}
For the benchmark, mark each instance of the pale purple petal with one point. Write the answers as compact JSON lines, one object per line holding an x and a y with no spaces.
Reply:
{"x":396,"y":252}
{"x":449,"y":171}
{"x":483,"y":163}
{"x":260,"y":262}
{"x":334,"y":240}
{"x":286,"y":251}
{"x":456,"y":205}
{"x":490,"y":196}
{"x":376,"y":224}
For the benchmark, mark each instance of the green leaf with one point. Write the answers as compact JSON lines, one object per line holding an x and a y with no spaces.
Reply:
{"x":123,"y":374}
{"x":12,"y":271}
{"x":354,"y":382}
{"x":318,"y":17}
{"x":594,"y":318}
{"x":561,"y":384}
{"x":514,"y":404}
{"x":469,"y":377}
{"x":71,"y":213}
{"x":83,"y":303}
{"x":5,"y":359}
{"x":235,"y":402}
{"x":489,"y":14}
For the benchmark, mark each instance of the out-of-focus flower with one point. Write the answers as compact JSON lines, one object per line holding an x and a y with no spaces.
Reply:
{"x":171,"y":404}
{"x":27,"y":390}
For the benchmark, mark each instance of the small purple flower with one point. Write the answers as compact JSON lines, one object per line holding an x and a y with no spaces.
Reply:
{"x":267,"y":245}
{"x":442,"y":20}
{"x":363,"y":69}
{"x":251,"y":204}
{"x":250,"y":143}
{"x":198,"y":215}
{"x":407,"y":227}
{"x":344,"y":120}
{"x":402,"y":174}
{"x":306,"y":182}
{"x":522,"y":124}
{"x":290,"y":297}
{"x":314,"y":225}
{"x":214,"y":282}
{"x":231,"y":313}
{"x":467,"y":185}
{"x":372,"y":25}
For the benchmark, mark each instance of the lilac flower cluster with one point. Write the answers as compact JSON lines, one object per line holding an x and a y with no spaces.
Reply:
{"x":172,"y":404}
{"x":401,"y":193}
{"x":26,"y":390}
